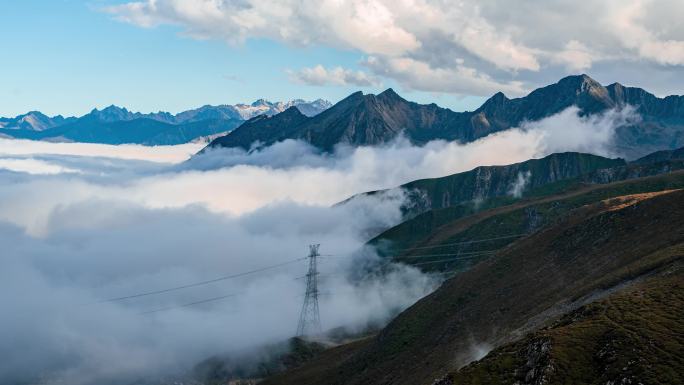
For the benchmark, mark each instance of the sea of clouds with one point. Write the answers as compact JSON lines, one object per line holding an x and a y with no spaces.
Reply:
{"x":82,"y":223}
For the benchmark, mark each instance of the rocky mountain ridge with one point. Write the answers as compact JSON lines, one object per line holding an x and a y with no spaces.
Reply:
{"x":361,"y":120}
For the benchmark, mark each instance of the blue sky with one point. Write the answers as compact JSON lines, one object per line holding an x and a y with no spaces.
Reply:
{"x":66,"y":57}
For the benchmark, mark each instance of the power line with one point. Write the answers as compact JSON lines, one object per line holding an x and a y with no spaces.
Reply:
{"x":445,"y":260}
{"x":202,"y":282}
{"x":462,"y":243}
{"x":311,"y":301}
{"x":191,"y":303}
{"x":474,"y":253}
{"x":311,"y":297}
{"x":424,"y":255}
{"x":482,"y":252}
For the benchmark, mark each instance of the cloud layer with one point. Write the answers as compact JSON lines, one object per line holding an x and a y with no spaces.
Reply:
{"x":120,"y":226}
{"x":475,"y":48}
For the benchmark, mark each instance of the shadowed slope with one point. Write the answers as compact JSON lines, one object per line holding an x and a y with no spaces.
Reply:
{"x":368,"y":120}
{"x":499,"y":300}
{"x":635,"y":336}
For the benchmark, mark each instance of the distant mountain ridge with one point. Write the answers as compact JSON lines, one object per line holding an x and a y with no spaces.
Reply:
{"x":437,"y":202}
{"x":376,"y":119}
{"x":117,"y":125}
{"x":486,"y":182}
{"x":33,"y":120}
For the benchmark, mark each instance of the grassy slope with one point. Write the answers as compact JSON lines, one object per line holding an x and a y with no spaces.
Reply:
{"x":460,"y":223}
{"x":499,"y":300}
{"x":269,"y":361}
{"x":635,"y":336}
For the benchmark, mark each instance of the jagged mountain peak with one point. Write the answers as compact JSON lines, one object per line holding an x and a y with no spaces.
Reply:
{"x":582,"y":78}
{"x":261,"y":102}
{"x":292,"y":111}
{"x":354,"y":95}
{"x":496,"y":101}
{"x":321,"y":102}
{"x":113,"y":107}
{"x":35,"y":113}
{"x":111,"y":113}
{"x":33,"y":121}
{"x":574,"y":86}
{"x":389,"y":93}
{"x":372,"y":119}
{"x":109,"y":109}
{"x":389,"y":96}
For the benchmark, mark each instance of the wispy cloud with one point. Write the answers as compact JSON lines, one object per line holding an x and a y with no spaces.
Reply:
{"x":466,"y":41}
{"x":337,"y":76}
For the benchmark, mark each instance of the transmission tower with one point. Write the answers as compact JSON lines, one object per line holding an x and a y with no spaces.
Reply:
{"x":309,"y":318}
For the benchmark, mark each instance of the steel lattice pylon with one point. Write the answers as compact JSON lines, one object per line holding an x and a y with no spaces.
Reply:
{"x":310,"y":318}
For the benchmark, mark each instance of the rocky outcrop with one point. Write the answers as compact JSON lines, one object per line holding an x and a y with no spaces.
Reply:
{"x":511,"y":180}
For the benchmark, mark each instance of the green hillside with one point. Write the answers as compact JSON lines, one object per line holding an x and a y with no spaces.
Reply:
{"x":448,"y":233}
{"x":591,"y":252}
{"x":633,"y":337}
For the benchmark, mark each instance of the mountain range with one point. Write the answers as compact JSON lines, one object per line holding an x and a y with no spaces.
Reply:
{"x":435,"y":207}
{"x":376,"y":119}
{"x":575,"y":277}
{"x":577,"y":280}
{"x":116,"y":125}
{"x":367,"y":120}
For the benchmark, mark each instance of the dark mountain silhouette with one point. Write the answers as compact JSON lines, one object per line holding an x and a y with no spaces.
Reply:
{"x":375,"y":119}
{"x":660,"y":156}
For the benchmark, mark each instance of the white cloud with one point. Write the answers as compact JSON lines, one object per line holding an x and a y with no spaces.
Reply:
{"x":518,"y":186}
{"x":123,"y":227}
{"x":492,"y":40}
{"x":418,"y":75}
{"x":648,"y":45}
{"x":338,"y":76}
{"x":34,"y":166}
{"x":575,"y":56}
{"x":58,"y":331}
{"x":233,"y":182}
{"x":158,"y":154}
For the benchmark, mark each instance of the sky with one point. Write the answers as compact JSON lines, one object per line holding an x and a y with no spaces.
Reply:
{"x":67,"y":57}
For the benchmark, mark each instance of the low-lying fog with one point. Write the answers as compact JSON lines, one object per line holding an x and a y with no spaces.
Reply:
{"x":83,"y":223}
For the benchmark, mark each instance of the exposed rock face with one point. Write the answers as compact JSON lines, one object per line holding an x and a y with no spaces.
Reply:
{"x":629,"y":337}
{"x":446,"y":380}
{"x":537,"y":366}
{"x":496,"y":181}
{"x":375,"y":119}
{"x":632,"y":171}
